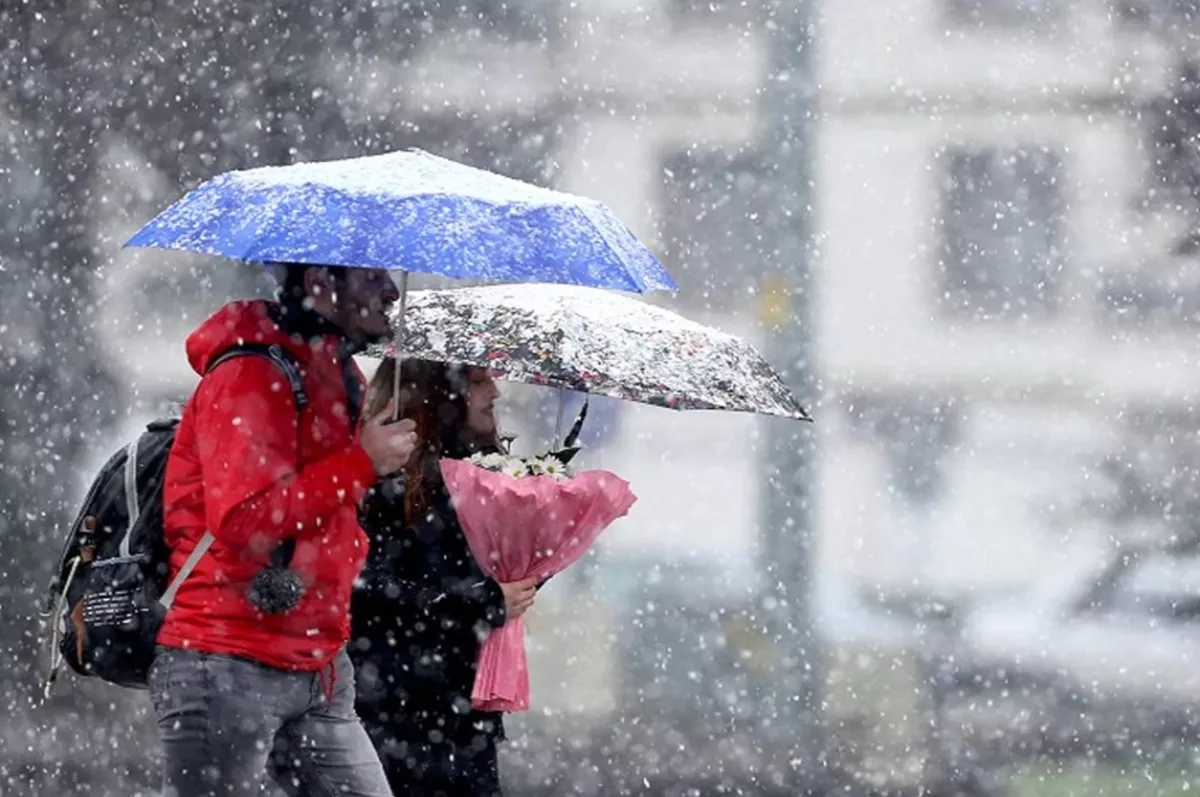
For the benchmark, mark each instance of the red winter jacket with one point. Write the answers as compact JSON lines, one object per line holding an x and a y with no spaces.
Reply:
{"x":241,"y":469}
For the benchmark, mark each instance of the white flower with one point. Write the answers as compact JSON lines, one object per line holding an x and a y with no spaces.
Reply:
{"x":515,"y":467}
{"x":552,"y":466}
{"x":494,"y":462}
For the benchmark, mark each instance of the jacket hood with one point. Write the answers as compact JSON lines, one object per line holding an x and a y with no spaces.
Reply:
{"x":234,"y":324}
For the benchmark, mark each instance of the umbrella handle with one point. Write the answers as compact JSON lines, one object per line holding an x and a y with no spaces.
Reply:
{"x":559,"y":441}
{"x":399,"y":343}
{"x":573,"y":435}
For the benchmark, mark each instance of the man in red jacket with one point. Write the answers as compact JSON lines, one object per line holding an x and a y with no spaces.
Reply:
{"x":234,"y":680}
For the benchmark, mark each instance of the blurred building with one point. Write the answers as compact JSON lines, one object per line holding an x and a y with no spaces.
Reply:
{"x":994,"y":289}
{"x":993,"y":285}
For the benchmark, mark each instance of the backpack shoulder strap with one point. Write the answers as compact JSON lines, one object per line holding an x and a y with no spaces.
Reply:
{"x":282,"y":358}
{"x":291,"y":369}
{"x":193,"y":559}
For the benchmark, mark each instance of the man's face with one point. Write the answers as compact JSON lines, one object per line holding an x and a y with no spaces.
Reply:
{"x":481,"y":402}
{"x":364,"y":299}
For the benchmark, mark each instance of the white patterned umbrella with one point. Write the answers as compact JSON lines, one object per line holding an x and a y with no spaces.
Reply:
{"x":593,"y":341}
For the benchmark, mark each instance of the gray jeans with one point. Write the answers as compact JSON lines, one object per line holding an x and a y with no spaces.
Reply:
{"x":225,"y":722}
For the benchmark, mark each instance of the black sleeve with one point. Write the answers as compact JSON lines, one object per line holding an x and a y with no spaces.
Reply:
{"x":402,"y":567}
{"x":382,"y":506}
{"x":478,"y":598}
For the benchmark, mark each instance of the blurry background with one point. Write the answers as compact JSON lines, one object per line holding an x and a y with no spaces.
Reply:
{"x":964,"y":229}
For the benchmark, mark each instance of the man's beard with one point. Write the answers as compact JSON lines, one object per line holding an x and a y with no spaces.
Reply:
{"x":351,"y":319}
{"x":379,"y":337}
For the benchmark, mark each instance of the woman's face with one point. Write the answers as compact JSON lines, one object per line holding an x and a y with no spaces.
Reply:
{"x":481,"y":402}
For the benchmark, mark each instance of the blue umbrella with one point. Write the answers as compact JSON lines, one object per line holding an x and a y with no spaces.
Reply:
{"x":408,"y":211}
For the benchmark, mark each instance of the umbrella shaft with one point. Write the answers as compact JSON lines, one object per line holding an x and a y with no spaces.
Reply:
{"x":399,"y":346}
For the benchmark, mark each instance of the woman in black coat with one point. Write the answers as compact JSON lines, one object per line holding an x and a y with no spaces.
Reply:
{"x":423,"y":606}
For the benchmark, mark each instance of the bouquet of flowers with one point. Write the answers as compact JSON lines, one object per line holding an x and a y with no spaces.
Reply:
{"x":526,"y":517}
{"x":518,"y":467}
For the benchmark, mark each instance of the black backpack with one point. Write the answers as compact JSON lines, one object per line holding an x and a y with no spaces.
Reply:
{"x":109,"y":594}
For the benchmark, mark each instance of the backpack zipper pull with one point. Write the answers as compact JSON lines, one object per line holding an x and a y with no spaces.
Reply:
{"x":56,"y":658}
{"x":87,"y":543}
{"x":87,"y":552}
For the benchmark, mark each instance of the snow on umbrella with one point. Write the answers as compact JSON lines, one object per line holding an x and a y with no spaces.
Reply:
{"x":408,"y":211}
{"x":595,"y":342}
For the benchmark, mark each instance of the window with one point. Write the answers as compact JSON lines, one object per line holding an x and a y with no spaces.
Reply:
{"x":1156,"y":14}
{"x":1152,"y":476}
{"x":515,"y":20}
{"x":711,"y":216}
{"x":1014,"y":14}
{"x":736,"y":13}
{"x":1002,"y":225}
{"x":915,"y":433}
{"x":1172,"y":125}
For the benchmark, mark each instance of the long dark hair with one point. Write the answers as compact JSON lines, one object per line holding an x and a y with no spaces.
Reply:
{"x":434,"y":396}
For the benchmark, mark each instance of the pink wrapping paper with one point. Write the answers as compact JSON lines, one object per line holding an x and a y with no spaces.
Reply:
{"x":529,"y":527}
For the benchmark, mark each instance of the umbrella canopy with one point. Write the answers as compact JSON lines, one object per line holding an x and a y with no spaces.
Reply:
{"x":594,"y":342}
{"x":408,"y":211}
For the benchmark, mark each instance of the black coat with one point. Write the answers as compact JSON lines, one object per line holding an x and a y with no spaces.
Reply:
{"x":418,"y":615}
